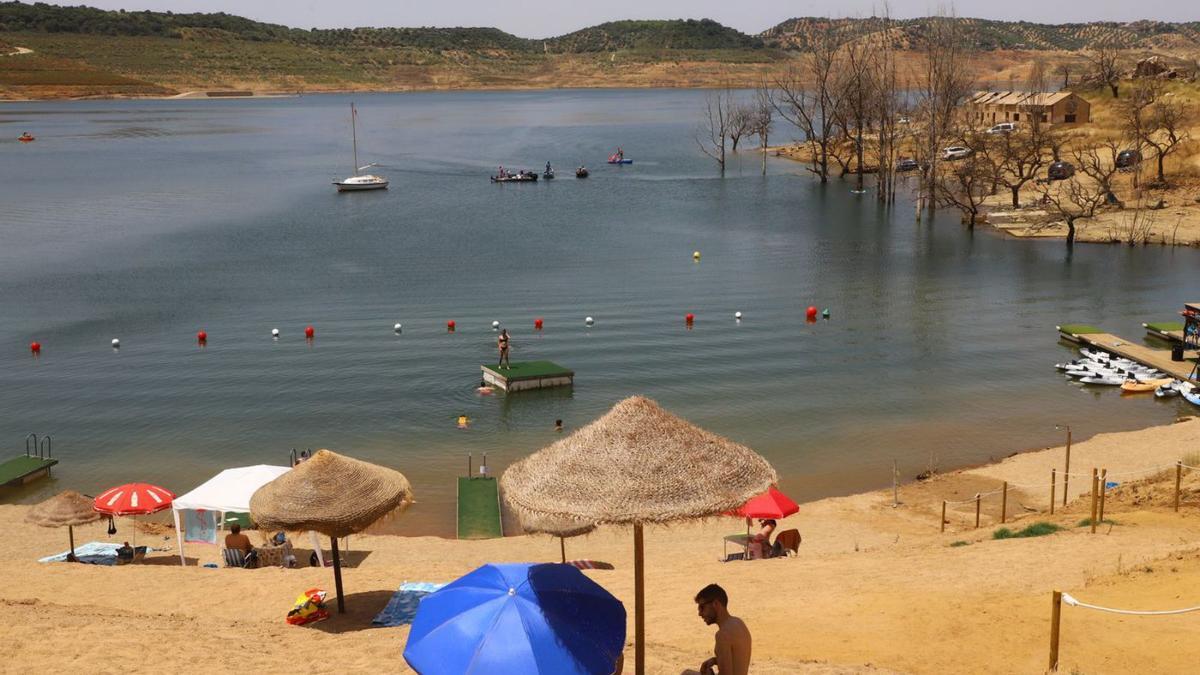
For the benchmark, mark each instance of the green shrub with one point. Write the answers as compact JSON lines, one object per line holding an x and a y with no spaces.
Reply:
{"x":956,"y":544}
{"x":1034,"y":530}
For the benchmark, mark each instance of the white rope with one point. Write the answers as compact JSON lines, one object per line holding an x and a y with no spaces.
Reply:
{"x":1159,"y":467}
{"x":1075,"y":603}
{"x":1187,"y":466}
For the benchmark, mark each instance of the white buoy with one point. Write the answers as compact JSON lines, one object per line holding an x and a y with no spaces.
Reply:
{"x":589,"y":321}
{"x":275,"y":333}
{"x":737,"y":315}
{"x":116,"y":343}
{"x":397,"y":328}
{"x":495,"y":325}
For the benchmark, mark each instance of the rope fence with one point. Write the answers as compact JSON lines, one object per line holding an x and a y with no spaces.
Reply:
{"x":1058,"y":598}
{"x":1098,"y":491}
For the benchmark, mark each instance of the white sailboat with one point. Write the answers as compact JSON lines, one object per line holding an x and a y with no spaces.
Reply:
{"x":359,"y":181}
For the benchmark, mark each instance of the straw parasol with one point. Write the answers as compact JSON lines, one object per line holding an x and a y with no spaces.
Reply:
{"x":66,"y":508}
{"x":637,"y":464}
{"x":562,"y":529}
{"x":331,"y":494}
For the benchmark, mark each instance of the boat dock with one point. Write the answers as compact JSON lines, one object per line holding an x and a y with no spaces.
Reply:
{"x":523,"y":375}
{"x":1089,"y":336}
{"x":33,"y":465}
{"x":479,"y":504}
{"x":1169,"y":331}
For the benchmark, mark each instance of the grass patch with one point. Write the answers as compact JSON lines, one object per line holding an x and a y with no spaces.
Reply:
{"x":960,"y":542}
{"x":1078,"y":329}
{"x":1165,"y":326}
{"x":1034,"y":530}
{"x":1087,"y":522}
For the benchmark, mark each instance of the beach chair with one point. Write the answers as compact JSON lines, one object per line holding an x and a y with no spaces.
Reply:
{"x":236,"y":557}
{"x":788,"y":540}
{"x":129,"y":555}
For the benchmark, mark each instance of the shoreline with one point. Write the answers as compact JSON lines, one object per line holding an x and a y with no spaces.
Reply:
{"x":863,"y":566}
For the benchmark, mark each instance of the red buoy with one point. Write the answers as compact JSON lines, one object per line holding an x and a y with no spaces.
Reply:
{"x":811,"y":312}
{"x":537,"y":323}
{"x":309,"y":332}
{"x":202,"y":337}
{"x":449,"y":326}
{"x":690,"y":317}
{"x":35,"y":347}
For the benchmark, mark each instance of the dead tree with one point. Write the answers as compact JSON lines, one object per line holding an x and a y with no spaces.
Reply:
{"x":942,"y":85}
{"x":1019,"y":156}
{"x":965,"y":184}
{"x":741,"y":119}
{"x":885,"y":108}
{"x":763,"y":119}
{"x":714,"y":126}
{"x":1134,"y":110}
{"x":1165,"y":131}
{"x":1085,"y":193}
{"x":1106,"y":67}
{"x":808,"y":99}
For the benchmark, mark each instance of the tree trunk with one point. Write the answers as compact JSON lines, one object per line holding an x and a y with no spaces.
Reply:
{"x":764,"y":156}
{"x":1114,"y":89}
{"x":1162,"y":178}
{"x":1070,"y":232}
{"x":1016,"y":198}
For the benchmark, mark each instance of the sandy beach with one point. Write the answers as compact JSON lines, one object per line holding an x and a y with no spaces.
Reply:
{"x":875,"y":588}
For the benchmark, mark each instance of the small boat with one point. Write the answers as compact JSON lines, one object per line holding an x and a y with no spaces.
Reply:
{"x":618,"y":157}
{"x":1192,"y":396}
{"x":548,"y":174}
{"x":1111,"y":381}
{"x":581,"y":172}
{"x":359,"y":181}
{"x":26,"y":138}
{"x":1135,"y":386}
{"x":518,"y":177}
{"x":1168,"y":390}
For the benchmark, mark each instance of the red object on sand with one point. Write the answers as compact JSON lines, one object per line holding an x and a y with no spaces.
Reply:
{"x":770,"y":504}
{"x":133,"y":499}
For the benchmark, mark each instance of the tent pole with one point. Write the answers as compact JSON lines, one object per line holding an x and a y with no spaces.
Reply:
{"x":179,"y":538}
{"x":337,"y":576}
{"x":639,"y":602}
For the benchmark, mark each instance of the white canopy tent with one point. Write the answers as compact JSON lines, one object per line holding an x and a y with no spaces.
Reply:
{"x":228,"y":491}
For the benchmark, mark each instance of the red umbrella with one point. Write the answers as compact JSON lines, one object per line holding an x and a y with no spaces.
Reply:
{"x":133,"y":499}
{"x":770,"y":504}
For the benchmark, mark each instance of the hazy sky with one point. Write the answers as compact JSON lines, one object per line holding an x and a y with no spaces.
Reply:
{"x":544,"y":18}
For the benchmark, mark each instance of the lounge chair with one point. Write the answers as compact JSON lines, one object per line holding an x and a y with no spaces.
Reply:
{"x":236,"y":557}
{"x":788,"y":540}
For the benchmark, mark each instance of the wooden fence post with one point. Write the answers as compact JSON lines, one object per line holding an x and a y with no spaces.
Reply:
{"x":1178,"y":476}
{"x":1067,"y":468}
{"x":1103,"y":491}
{"x":1055,"y":616}
{"x":1095,"y":478}
{"x":1053,"y":479}
{"x":1004,"y":504}
{"x":943,"y":515}
{"x":977,"y":502}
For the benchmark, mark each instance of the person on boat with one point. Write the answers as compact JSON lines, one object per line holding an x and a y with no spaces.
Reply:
{"x":620,"y":153}
{"x":502,"y":345}
{"x":548,"y":169}
{"x":501,"y":174}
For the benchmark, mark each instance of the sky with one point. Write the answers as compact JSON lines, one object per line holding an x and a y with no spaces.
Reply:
{"x":547,"y":18}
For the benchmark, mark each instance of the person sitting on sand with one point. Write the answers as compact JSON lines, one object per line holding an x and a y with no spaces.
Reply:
{"x":732,"y":641}
{"x":762,"y":539}
{"x":235,"y":539}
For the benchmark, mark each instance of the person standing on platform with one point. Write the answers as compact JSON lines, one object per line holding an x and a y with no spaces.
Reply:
{"x":502,"y":344}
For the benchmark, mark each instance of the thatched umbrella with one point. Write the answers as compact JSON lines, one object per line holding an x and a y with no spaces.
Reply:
{"x":331,"y":494}
{"x":66,"y":508}
{"x":637,"y":464}
{"x":562,"y":529}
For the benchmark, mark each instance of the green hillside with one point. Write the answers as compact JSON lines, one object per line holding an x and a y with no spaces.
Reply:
{"x":676,"y":34}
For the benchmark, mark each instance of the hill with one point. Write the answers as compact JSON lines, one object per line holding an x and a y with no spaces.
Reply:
{"x":676,"y":34}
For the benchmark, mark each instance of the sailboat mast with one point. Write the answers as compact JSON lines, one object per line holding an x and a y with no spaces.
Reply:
{"x":354,"y":135}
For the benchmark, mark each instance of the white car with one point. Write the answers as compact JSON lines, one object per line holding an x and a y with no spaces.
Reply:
{"x":955,"y":152}
{"x":1003,"y":128}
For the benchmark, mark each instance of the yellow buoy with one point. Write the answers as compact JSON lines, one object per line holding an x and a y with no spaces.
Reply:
{"x":695,"y":255}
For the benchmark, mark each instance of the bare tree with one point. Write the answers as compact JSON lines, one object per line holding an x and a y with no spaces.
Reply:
{"x":965,"y":184}
{"x":1082,"y":195}
{"x":885,"y":107}
{"x":763,"y":119}
{"x":1134,"y":112}
{"x":808,"y":99}
{"x":1064,"y":69}
{"x":942,"y":85}
{"x":1166,"y":129}
{"x":1107,"y":67}
{"x":741,"y":119}
{"x":856,"y":90}
{"x":714,"y":126}
{"x":1019,"y":156}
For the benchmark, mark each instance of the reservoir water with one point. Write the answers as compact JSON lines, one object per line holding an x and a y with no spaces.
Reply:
{"x":151,"y":220}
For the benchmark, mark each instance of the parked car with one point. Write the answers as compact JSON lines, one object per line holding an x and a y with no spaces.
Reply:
{"x":956,"y":152}
{"x":903,"y":120}
{"x":1060,"y":171}
{"x":1127,"y":159}
{"x":1003,"y":128}
{"x":907,"y":164}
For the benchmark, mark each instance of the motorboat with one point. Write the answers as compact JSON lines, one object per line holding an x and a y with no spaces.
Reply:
{"x":618,"y":157}
{"x":581,"y":172}
{"x":26,"y":137}
{"x":1192,"y":396}
{"x":1168,"y":390}
{"x":359,"y":181}
{"x":518,"y":177}
{"x":1108,"y":380}
{"x":548,"y":174}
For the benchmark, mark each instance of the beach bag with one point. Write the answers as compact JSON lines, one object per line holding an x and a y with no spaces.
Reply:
{"x":309,"y":607}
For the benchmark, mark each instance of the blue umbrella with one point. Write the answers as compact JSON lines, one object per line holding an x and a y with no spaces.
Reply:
{"x":518,"y":618}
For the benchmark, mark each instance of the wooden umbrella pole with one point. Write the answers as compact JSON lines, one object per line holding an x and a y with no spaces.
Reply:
{"x":562,"y":546}
{"x":337,"y":576}
{"x":639,"y":603}
{"x":1052,"y":481}
{"x":1055,"y":616}
{"x":71,"y":536}
{"x":1103,"y":492}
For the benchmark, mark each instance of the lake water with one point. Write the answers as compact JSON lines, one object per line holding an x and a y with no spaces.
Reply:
{"x":151,"y":220}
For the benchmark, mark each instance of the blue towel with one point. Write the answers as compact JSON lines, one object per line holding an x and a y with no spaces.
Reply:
{"x":94,"y":552}
{"x":402,"y":608}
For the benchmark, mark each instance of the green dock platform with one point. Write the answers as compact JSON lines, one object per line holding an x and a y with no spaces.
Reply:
{"x":1171,"y":331}
{"x":479,"y":508}
{"x":528,"y":375}
{"x":24,"y":469}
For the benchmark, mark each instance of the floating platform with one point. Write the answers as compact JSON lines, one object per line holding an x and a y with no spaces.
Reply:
{"x":1154,"y":358}
{"x":1169,"y":331}
{"x":523,"y":375}
{"x":24,"y":469}
{"x":479,"y":508}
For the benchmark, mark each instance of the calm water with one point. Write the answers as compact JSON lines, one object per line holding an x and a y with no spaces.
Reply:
{"x":149,"y":221}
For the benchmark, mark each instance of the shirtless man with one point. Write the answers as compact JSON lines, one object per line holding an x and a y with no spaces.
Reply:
{"x":732,"y":647}
{"x":502,"y":344}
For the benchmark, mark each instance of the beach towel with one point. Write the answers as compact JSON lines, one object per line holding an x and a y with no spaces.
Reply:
{"x":402,"y":608}
{"x":93,"y":552}
{"x":200,"y":527}
{"x":590,"y":564}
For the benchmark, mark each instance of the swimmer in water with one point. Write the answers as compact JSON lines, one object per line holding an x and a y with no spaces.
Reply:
{"x":485,"y":389}
{"x":463,"y":421}
{"x":558,"y":425}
